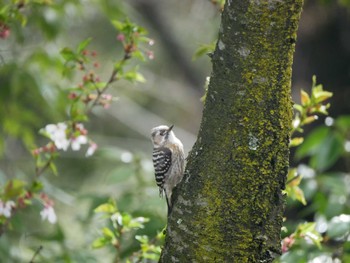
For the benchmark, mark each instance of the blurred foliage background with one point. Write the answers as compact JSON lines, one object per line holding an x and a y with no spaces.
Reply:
{"x":33,"y":93}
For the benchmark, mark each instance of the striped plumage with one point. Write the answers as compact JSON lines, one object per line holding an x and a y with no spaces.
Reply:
{"x":162,"y":163}
{"x":168,"y":160}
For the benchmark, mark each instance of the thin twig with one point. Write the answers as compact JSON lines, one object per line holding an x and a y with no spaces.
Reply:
{"x":111,"y":80}
{"x":35,"y":254}
{"x":100,"y":92}
{"x":39,"y":171}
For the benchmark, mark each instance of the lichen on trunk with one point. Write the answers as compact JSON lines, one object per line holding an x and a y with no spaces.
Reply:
{"x":229,"y":206}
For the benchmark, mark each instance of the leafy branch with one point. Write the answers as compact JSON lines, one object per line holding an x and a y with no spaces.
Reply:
{"x":309,"y":109}
{"x":307,"y":112}
{"x":121,"y":223}
{"x":90,"y":93}
{"x":14,"y":12}
{"x":71,"y":133}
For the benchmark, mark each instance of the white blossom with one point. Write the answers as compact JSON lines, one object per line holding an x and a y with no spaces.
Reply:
{"x":6,"y":208}
{"x":296,"y":123}
{"x":91,"y":150}
{"x":57,"y":133}
{"x":49,"y":213}
{"x":80,"y":126}
{"x":78,"y":141}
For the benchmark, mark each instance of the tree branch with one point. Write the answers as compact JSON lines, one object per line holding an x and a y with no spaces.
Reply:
{"x":35,"y":254}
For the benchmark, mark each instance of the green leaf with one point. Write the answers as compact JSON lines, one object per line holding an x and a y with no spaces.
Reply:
{"x":126,"y":219}
{"x":3,"y":10}
{"x":98,"y":85}
{"x":14,"y":188}
{"x":339,"y":226}
{"x":296,"y":193}
{"x":108,"y":233}
{"x":144,"y":39}
{"x":343,"y":124}
{"x":139,"y":55}
{"x":161,"y":235}
{"x":77,"y":111}
{"x":138,"y":222}
{"x":298,"y":107}
{"x":142,"y":31}
{"x":134,"y":76}
{"x":82,"y":46}
{"x":129,"y":29}
{"x":44,"y":133}
{"x":68,"y":54}
{"x":292,"y":173}
{"x":106,"y":208}
{"x":118,"y":25}
{"x":128,"y":222}
{"x":36,"y":186}
{"x":314,"y":82}
{"x":319,"y":108}
{"x":305,"y":99}
{"x":296,"y":141}
{"x":307,"y":230}
{"x":321,"y":96}
{"x":309,"y":119}
{"x":119,"y":66}
{"x":318,"y":95}
{"x":53,"y":168}
{"x":80,"y":118}
{"x":328,"y":152}
{"x":204,"y":49}
{"x":312,"y":142}
{"x":142,"y":239}
{"x":100,"y":242}
{"x":335,"y":183}
{"x":140,"y":78}
{"x":23,"y":19}
{"x":292,"y":188}
{"x":151,"y":256}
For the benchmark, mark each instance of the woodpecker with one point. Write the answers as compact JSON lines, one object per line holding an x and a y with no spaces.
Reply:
{"x":168,"y":160}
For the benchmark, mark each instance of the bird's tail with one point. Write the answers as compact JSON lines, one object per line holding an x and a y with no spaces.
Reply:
{"x":168,"y":202}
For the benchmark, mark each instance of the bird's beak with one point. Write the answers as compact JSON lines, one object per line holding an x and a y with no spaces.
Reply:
{"x":170,"y":128}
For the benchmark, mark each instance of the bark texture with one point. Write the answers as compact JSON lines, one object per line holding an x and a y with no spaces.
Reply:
{"x":229,"y":206}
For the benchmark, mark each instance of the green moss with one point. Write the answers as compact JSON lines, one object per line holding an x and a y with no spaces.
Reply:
{"x":233,"y":204}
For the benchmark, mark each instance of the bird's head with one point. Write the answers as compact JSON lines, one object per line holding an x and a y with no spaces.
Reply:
{"x":161,"y":135}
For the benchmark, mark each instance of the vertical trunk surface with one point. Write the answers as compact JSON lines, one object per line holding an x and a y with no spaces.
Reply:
{"x":229,"y":206}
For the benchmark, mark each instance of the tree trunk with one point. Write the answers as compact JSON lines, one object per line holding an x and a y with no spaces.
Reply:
{"x":229,"y":206}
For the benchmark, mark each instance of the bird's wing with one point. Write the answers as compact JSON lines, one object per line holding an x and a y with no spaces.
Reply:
{"x":161,"y":163}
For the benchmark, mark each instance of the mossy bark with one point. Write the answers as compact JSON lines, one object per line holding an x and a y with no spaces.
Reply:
{"x":229,"y":206}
